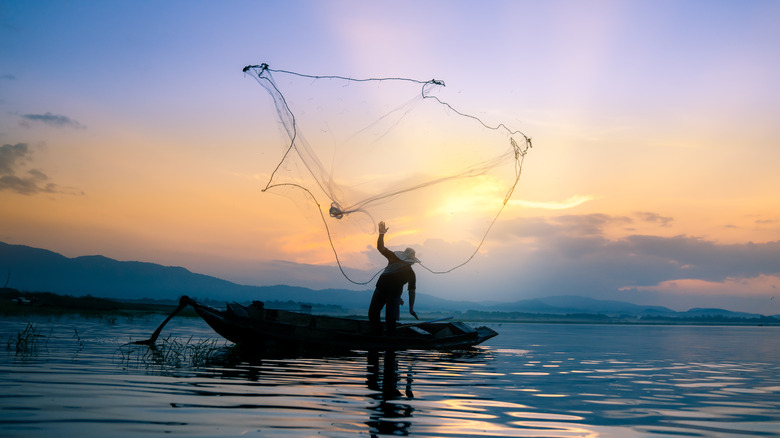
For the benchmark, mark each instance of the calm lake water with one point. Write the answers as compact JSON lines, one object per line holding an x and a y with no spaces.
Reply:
{"x":77,"y":377}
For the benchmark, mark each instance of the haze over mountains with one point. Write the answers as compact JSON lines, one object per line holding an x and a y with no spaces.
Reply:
{"x":40,"y":270}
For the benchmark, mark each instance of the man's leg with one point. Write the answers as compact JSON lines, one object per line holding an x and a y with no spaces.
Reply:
{"x":392,"y":313}
{"x":375,"y":312}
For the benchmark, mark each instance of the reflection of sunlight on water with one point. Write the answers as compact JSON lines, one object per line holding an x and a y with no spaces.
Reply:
{"x":545,"y":416}
{"x":479,"y":405}
{"x":510,"y":351}
{"x":556,"y":386}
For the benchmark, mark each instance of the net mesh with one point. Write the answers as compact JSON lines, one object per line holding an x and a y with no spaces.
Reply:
{"x":364,"y":150}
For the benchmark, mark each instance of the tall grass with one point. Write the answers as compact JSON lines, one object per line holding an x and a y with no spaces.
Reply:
{"x":27,"y":341}
{"x":171,"y":352}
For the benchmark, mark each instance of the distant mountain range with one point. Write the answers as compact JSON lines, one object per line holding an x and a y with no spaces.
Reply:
{"x":40,"y":270}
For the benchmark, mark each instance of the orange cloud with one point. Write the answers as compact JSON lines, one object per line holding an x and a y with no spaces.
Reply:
{"x":762,"y":285}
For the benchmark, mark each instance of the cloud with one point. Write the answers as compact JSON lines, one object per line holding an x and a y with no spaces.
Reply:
{"x":554,"y":205}
{"x":559,"y":240}
{"x":50,"y":119}
{"x":8,"y":77}
{"x":574,"y":255}
{"x":11,"y":155}
{"x":589,"y":224}
{"x":692,"y":257}
{"x":762,"y":285}
{"x":654,"y":218}
{"x":542,"y":228}
{"x":581,"y":255}
{"x":32,"y":182}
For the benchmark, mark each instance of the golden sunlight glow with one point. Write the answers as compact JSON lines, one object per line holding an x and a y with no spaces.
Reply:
{"x":481,"y":195}
{"x":571,"y":202}
{"x":169,"y":166}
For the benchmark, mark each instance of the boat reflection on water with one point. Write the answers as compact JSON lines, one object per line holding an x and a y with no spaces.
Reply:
{"x":359,"y":392}
{"x":387,"y":416}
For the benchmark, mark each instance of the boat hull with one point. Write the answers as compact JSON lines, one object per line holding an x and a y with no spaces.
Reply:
{"x":255,"y":325}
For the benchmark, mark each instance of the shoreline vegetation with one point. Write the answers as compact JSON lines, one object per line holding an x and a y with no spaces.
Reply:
{"x":19,"y":303}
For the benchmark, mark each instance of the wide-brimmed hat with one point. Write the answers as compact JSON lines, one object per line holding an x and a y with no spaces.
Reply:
{"x":407,"y":255}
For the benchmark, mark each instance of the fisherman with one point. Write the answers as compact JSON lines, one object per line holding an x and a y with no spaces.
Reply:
{"x":390,"y":285}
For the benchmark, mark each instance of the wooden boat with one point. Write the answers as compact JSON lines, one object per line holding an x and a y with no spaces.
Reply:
{"x":256,"y":325}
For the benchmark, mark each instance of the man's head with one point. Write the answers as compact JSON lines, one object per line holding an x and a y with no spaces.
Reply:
{"x":407,"y":256}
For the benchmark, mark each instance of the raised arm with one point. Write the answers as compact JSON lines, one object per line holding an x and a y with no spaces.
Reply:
{"x":380,"y":241}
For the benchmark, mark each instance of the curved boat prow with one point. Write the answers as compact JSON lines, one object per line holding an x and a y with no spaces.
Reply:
{"x":256,"y":325}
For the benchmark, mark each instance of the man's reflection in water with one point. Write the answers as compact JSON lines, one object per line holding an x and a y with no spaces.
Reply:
{"x":387,"y":414}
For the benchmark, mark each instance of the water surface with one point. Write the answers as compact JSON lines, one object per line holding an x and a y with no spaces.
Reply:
{"x":533,"y":380}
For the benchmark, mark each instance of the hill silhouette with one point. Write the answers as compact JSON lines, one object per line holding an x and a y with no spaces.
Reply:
{"x":40,"y":270}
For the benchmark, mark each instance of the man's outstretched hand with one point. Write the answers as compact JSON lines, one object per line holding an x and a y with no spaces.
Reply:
{"x":382,"y":228}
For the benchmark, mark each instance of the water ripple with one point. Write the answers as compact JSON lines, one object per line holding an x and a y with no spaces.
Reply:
{"x":537,"y":380}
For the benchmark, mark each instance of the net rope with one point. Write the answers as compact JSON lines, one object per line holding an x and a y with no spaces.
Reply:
{"x":262,"y":73}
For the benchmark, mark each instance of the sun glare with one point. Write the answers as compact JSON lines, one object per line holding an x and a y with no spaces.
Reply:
{"x":481,"y":195}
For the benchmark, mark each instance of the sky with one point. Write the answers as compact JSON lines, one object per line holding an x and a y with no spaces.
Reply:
{"x":128,"y":129}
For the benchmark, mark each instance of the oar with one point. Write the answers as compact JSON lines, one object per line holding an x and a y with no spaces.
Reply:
{"x":424,"y":322}
{"x":183,"y":302}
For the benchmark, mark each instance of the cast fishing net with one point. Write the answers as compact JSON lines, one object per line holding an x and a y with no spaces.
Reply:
{"x":358,"y":151}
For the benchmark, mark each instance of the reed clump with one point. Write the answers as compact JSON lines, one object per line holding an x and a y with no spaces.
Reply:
{"x":27,"y":341}
{"x":172,"y":352}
